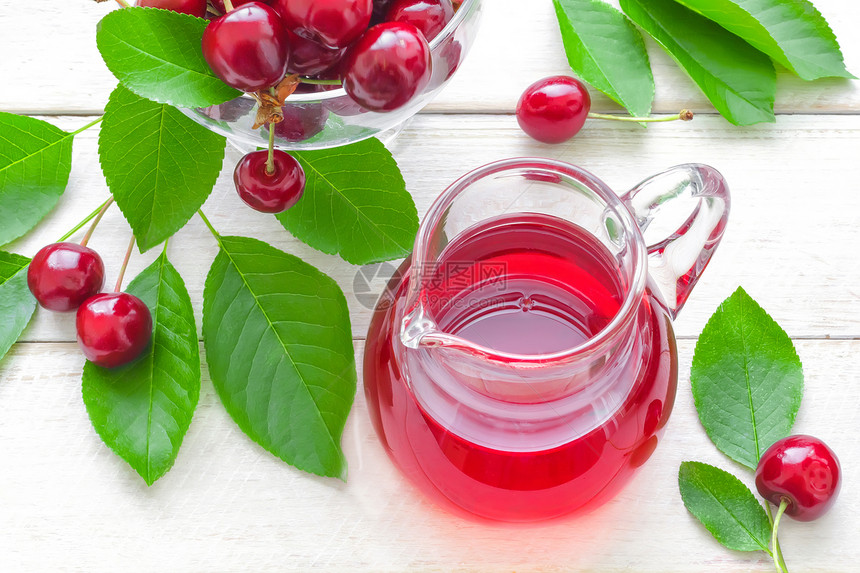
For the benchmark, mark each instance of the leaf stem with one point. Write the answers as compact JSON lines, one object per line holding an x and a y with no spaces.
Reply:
{"x":98,"y":218}
{"x":87,"y":126}
{"x":316,"y":82}
{"x":86,"y":220}
{"x":774,"y":539}
{"x":684,"y":115}
{"x":208,"y":224}
{"x":118,"y":286}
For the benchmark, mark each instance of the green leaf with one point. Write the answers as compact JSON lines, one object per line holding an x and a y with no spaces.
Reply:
{"x":16,"y":303}
{"x":738,"y":79}
{"x":160,"y":165}
{"x":143,"y":410}
{"x":747,"y":379}
{"x":355,"y":204}
{"x":279,"y":349}
{"x":605,"y":50}
{"x":156,"y":54}
{"x":725,"y":506}
{"x":35,"y":161}
{"x":792,"y":32}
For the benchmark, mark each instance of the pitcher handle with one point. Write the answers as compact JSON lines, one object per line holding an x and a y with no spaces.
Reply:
{"x":677,"y":260}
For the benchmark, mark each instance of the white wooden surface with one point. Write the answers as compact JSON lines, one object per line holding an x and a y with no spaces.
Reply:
{"x":67,"y":503}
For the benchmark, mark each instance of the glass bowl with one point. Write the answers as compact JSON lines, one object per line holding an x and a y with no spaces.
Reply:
{"x":330,"y":118}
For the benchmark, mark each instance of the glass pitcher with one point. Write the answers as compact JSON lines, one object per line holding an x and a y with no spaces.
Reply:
{"x":521,"y":365}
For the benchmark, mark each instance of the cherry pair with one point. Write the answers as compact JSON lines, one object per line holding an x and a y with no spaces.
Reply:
{"x":112,"y":328}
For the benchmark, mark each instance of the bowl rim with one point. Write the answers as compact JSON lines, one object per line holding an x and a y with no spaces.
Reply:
{"x":442,"y":36}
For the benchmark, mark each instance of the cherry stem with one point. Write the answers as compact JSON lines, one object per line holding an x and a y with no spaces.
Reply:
{"x":123,"y":3}
{"x":777,"y":548}
{"x":314,"y":82}
{"x":774,"y":539}
{"x":98,"y":218}
{"x":118,"y":286}
{"x":228,"y":6}
{"x":86,"y":220}
{"x":684,"y":115}
{"x":270,"y":161}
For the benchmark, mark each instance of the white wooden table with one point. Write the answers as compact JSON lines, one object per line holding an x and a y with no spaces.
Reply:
{"x":67,"y":503}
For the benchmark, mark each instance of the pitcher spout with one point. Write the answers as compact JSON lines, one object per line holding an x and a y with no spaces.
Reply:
{"x":417,"y":329}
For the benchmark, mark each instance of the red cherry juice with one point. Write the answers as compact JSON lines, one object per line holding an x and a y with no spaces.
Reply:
{"x":526,"y":285}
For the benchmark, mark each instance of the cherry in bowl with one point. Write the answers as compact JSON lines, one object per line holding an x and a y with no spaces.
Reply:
{"x":334,"y":23}
{"x":429,"y":16}
{"x":387,"y":67}
{"x":247,"y":48}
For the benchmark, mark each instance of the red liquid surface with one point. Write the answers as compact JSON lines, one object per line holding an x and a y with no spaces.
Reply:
{"x":523,"y":285}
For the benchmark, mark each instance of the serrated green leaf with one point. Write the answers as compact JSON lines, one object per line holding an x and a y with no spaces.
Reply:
{"x":605,"y":50}
{"x":160,"y":165}
{"x":142,"y":411}
{"x":355,"y":204}
{"x":792,"y":32}
{"x":156,"y":54}
{"x":17,"y":305}
{"x":738,"y":79}
{"x":747,"y":379}
{"x":35,"y":162}
{"x":279,"y":348}
{"x":725,"y":506}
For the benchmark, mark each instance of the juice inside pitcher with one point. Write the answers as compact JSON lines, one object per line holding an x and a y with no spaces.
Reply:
{"x":534,"y":285}
{"x":523,"y":284}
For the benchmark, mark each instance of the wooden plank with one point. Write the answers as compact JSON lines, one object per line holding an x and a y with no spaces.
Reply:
{"x":57,"y":69}
{"x":791,"y":240}
{"x":70,"y":504}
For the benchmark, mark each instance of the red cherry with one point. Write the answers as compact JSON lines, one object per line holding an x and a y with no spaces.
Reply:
{"x":803,"y":470}
{"x":193,"y":7}
{"x":552,"y":110}
{"x":309,"y":58}
{"x":429,"y":16}
{"x":247,"y":48}
{"x":219,"y":4}
{"x":301,"y":121}
{"x":448,"y":57}
{"x":63,"y":275}
{"x":335,"y":23}
{"x":387,"y":67}
{"x":265,"y":192}
{"x":113,"y":328}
